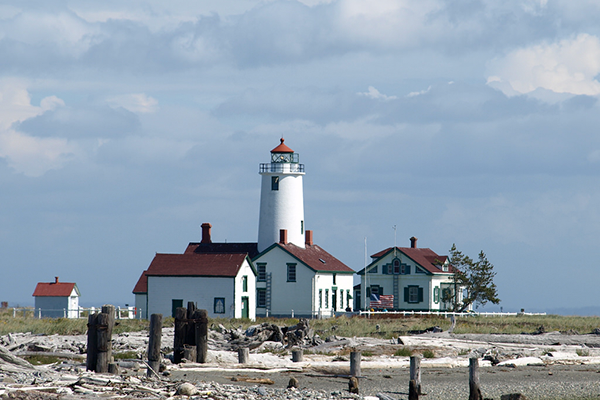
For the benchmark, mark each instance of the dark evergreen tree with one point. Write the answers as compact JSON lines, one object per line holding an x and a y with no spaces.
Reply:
{"x":475,"y":277}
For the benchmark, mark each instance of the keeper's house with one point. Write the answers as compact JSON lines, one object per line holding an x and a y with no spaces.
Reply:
{"x":418,"y":278}
{"x":56,"y":299}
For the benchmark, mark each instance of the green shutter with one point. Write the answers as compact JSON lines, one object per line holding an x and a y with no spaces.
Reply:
{"x":406,"y":294}
{"x":420,"y":295}
{"x":384,"y":269}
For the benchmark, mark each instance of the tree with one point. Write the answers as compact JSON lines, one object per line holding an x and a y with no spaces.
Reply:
{"x":476,"y":277}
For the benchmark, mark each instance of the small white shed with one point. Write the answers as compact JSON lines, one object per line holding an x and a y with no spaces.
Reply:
{"x":57,"y":299}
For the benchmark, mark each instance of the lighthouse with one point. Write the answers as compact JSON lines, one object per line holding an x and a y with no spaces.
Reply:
{"x":281,"y":199}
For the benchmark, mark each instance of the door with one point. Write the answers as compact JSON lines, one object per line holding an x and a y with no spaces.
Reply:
{"x":334,"y":299}
{"x":174,"y":304}
{"x":245,"y":307}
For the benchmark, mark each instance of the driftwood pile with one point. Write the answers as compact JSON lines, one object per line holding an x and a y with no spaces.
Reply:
{"x":299,"y":335}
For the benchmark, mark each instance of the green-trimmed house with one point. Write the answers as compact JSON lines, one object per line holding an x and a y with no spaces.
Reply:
{"x":418,"y":278}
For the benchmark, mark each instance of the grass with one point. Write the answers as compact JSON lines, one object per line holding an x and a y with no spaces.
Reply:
{"x":428,"y":354}
{"x":60,"y":326}
{"x":341,"y":326}
{"x":41,"y":360}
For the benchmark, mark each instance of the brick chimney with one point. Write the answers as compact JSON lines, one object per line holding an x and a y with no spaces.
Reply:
{"x":413,"y":242}
{"x":283,"y":236}
{"x":308,"y":238}
{"x":206,"y":233}
{"x":56,"y":279}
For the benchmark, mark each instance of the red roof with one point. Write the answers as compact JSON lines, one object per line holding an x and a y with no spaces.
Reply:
{"x":316,"y":258}
{"x":425,"y":257}
{"x":238,"y":248}
{"x":196,"y":264}
{"x":282,"y":148}
{"x":54,"y":289}
{"x":142,"y":284}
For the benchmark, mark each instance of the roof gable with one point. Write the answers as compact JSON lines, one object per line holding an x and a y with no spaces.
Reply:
{"x":424,"y":257}
{"x":142,"y":284}
{"x":55,"y":289}
{"x":194,"y":264}
{"x":224,"y":248}
{"x":313,"y":256}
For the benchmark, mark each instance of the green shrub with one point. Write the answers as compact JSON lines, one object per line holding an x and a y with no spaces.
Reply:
{"x":403,"y":352}
{"x":428,"y":354}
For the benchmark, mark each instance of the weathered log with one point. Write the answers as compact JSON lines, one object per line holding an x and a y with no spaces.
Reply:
{"x":413,"y":392}
{"x":415,"y":372}
{"x":297,"y":355}
{"x":243,"y":355}
{"x":474,"y":390}
{"x":109,"y":309}
{"x":201,"y":324}
{"x":189,"y":352}
{"x":190,"y":335}
{"x":353,"y":385}
{"x":154,"y":343}
{"x":355,"y":363}
{"x":92,"y":349}
{"x":102,"y":343}
{"x":180,"y":334}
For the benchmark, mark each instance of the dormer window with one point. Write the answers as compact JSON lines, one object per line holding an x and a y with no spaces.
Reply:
{"x":396,"y":266}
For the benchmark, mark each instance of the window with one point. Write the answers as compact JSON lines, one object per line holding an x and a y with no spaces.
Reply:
{"x":219,"y":306}
{"x":374,"y":289}
{"x":175,"y":303}
{"x":261,"y":298}
{"x":436,"y":294}
{"x":320,"y":298}
{"x":396,"y":266}
{"x":274,"y":183}
{"x":326,"y":298}
{"x":261,"y":268}
{"x":334,"y":275}
{"x":419,"y":270}
{"x":413,"y":294}
{"x":244,"y":283}
{"x":372,"y":270}
{"x":291,"y":272}
{"x":404,"y":269}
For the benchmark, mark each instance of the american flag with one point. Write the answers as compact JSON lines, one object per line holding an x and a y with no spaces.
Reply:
{"x":382,"y":301}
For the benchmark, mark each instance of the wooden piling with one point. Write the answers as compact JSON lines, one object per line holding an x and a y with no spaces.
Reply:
{"x":355,"y":363}
{"x":102,"y":343}
{"x":413,"y":390}
{"x":190,"y":337}
{"x":415,"y":373}
{"x":297,"y":355}
{"x":109,"y":310}
{"x":154,"y":344}
{"x":201,"y":323}
{"x":243,"y":355}
{"x":180,"y":334}
{"x":189,"y":352}
{"x":474,"y":390}
{"x":92,"y":348}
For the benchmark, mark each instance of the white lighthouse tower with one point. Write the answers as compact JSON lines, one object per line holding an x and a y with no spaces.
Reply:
{"x":281,"y":198}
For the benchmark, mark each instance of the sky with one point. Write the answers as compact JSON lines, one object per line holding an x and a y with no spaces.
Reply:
{"x":126,"y":125}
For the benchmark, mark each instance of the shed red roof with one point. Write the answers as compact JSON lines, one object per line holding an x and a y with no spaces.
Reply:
{"x":54,"y":289}
{"x":142,"y":284}
{"x":282,"y":148}
{"x":316,"y":258}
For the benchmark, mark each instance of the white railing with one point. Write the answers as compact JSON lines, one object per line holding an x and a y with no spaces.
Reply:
{"x":446,"y":314}
{"x":81,"y":312}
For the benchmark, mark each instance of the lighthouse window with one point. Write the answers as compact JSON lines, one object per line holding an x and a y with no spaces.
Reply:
{"x":274,"y":183}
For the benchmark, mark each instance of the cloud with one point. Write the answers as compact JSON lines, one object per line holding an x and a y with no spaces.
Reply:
{"x":568,"y":66}
{"x":135,"y":102}
{"x":373,"y":93}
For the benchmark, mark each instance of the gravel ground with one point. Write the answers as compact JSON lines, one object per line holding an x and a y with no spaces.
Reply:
{"x":548,"y":382}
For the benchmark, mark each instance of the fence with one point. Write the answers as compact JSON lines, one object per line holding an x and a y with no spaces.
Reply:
{"x":446,"y":314}
{"x":81,"y":312}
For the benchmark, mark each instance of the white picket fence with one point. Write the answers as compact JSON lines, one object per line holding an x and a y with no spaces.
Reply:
{"x":81,"y":312}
